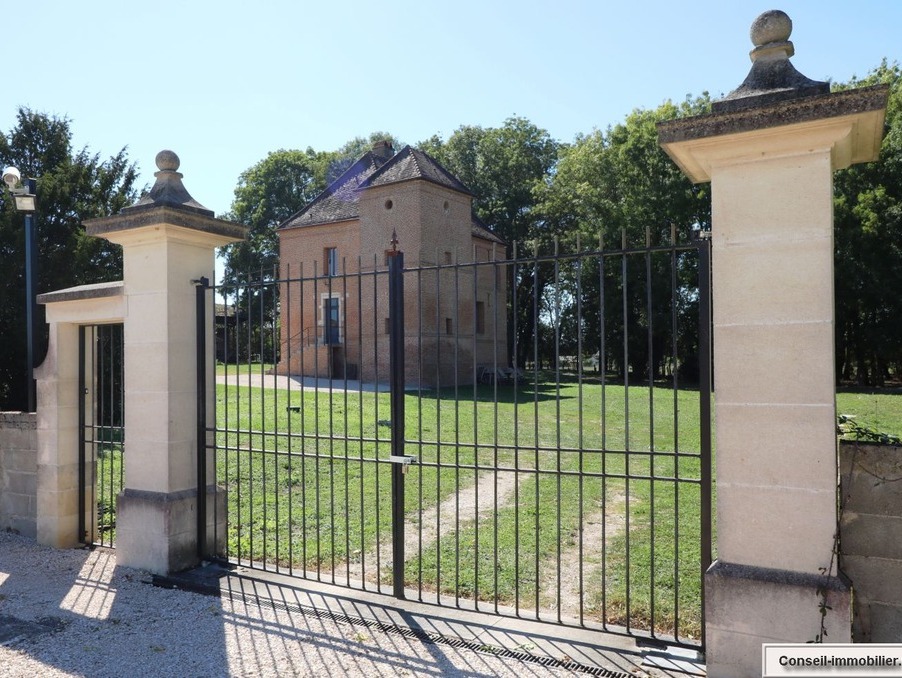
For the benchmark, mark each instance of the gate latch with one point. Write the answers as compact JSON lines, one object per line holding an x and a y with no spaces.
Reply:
{"x":405,"y":461}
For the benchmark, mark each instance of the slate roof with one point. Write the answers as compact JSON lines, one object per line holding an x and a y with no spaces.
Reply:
{"x":480,"y":230}
{"x":410,"y":163}
{"x":341,"y":201}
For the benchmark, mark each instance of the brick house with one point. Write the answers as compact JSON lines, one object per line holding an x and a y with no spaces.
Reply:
{"x":334,"y":258}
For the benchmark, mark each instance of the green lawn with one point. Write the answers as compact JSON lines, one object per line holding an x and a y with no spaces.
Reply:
{"x":880,"y":412}
{"x":309,"y":487}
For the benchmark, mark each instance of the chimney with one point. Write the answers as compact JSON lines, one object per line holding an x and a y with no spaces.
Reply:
{"x":383,"y":151}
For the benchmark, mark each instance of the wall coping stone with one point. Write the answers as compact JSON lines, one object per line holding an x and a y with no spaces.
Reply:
{"x":93,"y":291}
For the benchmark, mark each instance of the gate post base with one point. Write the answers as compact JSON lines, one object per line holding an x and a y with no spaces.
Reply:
{"x":746,"y":606}
{"x":157,"y":531}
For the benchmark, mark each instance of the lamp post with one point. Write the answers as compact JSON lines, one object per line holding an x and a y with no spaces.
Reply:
{"x":26,"y":201}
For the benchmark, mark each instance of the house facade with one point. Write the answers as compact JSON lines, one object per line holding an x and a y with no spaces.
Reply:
{"x":334,"y":258}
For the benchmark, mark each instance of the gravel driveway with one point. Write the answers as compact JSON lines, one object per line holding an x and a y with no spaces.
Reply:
{"x":73,"y":612}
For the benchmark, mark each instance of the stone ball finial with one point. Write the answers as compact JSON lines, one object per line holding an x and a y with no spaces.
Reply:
{"x":167,"y":161}
{"x":771,"y":26}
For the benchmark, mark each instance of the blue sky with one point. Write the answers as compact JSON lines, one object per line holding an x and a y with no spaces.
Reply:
{"x":224,"y":83}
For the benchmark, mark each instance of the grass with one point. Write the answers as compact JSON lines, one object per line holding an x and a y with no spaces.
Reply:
{"x":309,"y":488}
{"x":878,"y":411}
{"x":108,"y":483}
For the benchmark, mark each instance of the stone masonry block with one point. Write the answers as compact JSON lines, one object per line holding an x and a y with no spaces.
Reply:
{"x":876,"y":579}
{"x":863,"y":534}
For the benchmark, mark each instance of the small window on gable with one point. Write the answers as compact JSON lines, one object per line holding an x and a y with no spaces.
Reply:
{"x":388,"y":325}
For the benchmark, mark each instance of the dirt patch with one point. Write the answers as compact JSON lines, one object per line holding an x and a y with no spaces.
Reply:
{"x":599,"y":527}
{"x":493,"y":489}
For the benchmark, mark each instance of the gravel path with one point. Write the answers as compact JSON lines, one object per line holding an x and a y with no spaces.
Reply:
{"x":75,"y":613}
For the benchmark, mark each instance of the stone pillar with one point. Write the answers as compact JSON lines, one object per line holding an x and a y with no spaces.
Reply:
{"x":769,"y":150}
{"x":168,"y":242}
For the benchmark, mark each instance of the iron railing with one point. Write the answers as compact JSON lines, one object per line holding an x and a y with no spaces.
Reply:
{"x":528,"y":436}
{"x":101,"y":412}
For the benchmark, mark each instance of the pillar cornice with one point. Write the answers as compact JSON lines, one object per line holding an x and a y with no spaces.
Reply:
{"x":849,"y":124}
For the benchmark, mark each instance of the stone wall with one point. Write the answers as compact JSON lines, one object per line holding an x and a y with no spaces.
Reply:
{"x":871,"y":538}
{"x":18,"y":472}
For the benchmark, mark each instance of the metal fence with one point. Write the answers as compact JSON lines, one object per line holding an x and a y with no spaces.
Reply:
{"x":527,"y":436}
{"x":101,"y":438}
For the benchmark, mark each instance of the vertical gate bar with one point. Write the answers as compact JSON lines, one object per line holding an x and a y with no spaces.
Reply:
{"x":317,"y":309}
{"x":674,"y":331}
{"x":200,"y":299}
{"x":494,"y":272}
{"x":651,"y":423}
{"x":301,"y":296}
{"x":377,"y":466}
{"x":277,"y":439}
{"x":535,"y":348}
{"x":455,"y":334}
{"x":602,"y":368}
{"x":515,"y":357}
{"x":359,"y":277}
{"x":98,"y":392}
{"x":420,"y":483}
{"x":396,"y":381}
{"x":232,"y":437}
{"x":626,"y":417}
{"x":456,"y":304}
{"x":285,"y":358}
{"x":438,"y":429}
{"x":263,"y":453}
{"x":580,"y":423}
{"x":108,"y":423}
{"x":121,"y":419}
{"x":704,"y":301}
{"x":557,"y":405}
{"x":82,"y":465}
{"x":346,"y":459}
{"x":250,"y":415}
{"x":330,"y":353}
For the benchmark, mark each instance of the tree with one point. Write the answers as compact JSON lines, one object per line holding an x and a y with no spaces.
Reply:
{"x":272,"y":190}
{"x":71,"y":187}
{"x":615,"y":188}
{"x":505,"y":168}
{"x":267,"y":194}
{"x":868,"y":250}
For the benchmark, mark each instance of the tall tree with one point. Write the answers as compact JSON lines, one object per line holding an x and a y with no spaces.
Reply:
{"x":275,"y":188}
{"x":619,"y":187}
{"x":267,"y":194}
{"x":506,"y":168}
{"x":868,"y":250}
{"x":72,"y":186}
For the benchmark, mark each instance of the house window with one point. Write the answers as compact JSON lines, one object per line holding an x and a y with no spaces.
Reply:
{"x":330,"y":258}
{"x":448,"y":258}
{"x":449,"y":328}
{"x":388,"y":325}
{"x":480,"y":317}
{"x":331,"y":320}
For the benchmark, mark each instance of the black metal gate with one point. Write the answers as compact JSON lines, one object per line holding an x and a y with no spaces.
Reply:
{"x":527,"y":436}
{"x":101,"y":416}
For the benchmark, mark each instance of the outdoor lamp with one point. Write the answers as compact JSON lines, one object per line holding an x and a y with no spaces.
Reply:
{"x":25,"y":200}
